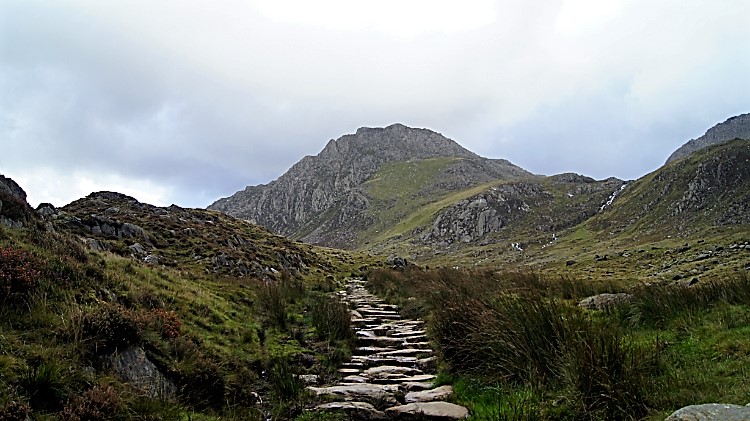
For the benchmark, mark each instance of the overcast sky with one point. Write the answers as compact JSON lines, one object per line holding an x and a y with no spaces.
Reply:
{"x":186,"y":101}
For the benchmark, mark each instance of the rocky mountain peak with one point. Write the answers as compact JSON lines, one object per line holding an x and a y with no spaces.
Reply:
{"x":393,"y":143}
{"x":330,"y":188}
{"x":737,"y":127}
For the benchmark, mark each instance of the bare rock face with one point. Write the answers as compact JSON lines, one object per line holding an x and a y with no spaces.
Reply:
{"x":737,"y":127}
{"x":321,"y":199}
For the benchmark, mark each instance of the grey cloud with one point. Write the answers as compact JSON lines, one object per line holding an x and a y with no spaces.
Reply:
{"x":207,"y":102}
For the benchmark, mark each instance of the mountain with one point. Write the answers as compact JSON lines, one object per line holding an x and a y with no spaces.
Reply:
{"x":447,"y":206}
{"x":737,"y":127}
{"x":362,"y":183}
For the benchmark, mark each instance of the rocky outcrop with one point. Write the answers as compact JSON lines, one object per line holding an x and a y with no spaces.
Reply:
{"x":14,"y":210}
{"x":321,"y":200}
{"x":737,"y":127}
{"x":391,"y":374}
{"x":541,"y":205}
{"x":174,"y":236}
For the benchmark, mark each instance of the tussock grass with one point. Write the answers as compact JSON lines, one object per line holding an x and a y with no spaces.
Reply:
{"x":518,"y":347}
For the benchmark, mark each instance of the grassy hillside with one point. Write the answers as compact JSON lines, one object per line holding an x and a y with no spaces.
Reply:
{"x":227,"y":342}
{"x":686,"y":220}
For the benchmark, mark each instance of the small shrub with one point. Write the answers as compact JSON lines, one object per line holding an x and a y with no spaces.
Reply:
{"x":18,"y":273}
{"x":99,"y":403}
{"x":110,"y":327}
{"x":15,"y":411}
{"x":166,"y":323}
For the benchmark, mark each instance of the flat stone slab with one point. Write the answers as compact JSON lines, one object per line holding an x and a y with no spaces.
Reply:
{"x":408,"y":352}
{"x":354,"y":379}
{"x":385,"y":371}
{"x":367,"y":350}
{"x":407,"y":333}
{"x":437,"y":394}
{"x":416,"y":386}
{"x":373,"y":361}
{"x":711,"y":412}
{"x":438,"y":411}
{"x":355,"y":410}
{"x":372,"y":393}
{"x":420,"y":378}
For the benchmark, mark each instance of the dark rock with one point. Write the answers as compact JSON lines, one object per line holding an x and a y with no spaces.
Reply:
{"x":570,"y":262}
{"x":94,"y":244}
{"x":132,"y":365}
{"x":138,"y":249}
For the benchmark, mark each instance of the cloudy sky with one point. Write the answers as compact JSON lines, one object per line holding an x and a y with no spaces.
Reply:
{"x":186,"y":101}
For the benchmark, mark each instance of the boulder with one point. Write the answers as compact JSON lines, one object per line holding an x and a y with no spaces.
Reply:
{"x":605,"y":301}
{"x":711,"y":412}
{"x":132,"y":365}
{"x":437,"y":411}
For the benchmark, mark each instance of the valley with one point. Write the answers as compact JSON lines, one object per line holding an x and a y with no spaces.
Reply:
{"x":394,"y":247}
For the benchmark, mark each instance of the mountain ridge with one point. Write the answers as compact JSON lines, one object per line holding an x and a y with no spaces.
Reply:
{"x":737,"y":127}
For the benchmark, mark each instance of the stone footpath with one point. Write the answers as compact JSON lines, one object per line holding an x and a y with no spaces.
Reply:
{"x":391,"y":373}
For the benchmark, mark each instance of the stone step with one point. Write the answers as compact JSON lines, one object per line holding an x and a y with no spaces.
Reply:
{"x":406,"y":352}
{"x":380,"y":341}
{"x":353,"y":410}
{"x":407,"y":333}
{"x":437,"y":394}
{"x":369,"y":350}
{"x":428,"y":411}
{"x":371,"y":361}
